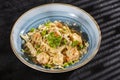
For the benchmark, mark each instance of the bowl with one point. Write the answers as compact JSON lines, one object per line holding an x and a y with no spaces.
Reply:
{"x":65,"y":13}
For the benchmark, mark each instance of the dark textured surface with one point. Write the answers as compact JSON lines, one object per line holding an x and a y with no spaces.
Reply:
{"x":105,"y":65}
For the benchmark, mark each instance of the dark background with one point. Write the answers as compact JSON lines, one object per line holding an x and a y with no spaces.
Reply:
{"x":104,"y":66}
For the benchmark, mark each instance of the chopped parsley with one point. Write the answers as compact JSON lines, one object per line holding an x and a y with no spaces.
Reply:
{"x":81,"y":46}
{"x":37,"y":46}
{"x":38,"y":51}
{"x":67,"y":64}
{"x":71,"y":63}
{"x":74,"y":43}
{"x":23,"y":50}
{"x":32,"y":29}
{"x":64,"y":41}
{"x":54,"y":41}
{"x":44,"y":32}
{"x":47,"y":66}
{"x":47,"y":24}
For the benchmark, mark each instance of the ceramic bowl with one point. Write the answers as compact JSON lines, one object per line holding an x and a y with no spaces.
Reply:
{"x":65,"y":13}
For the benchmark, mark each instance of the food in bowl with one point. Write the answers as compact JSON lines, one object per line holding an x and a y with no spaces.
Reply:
{"x":54,"y":45}
{"x":62,"y":12}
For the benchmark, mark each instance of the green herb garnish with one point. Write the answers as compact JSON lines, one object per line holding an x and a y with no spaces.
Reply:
{"x":32,"y":29}
{"x":44,"y":32}
{"x":74,"y":43}
{"x":23,"y":50}
{"x":47,"y":66}
{"x":38,"y":51}
{"x":65,"y":65}
{"x":47,"y":24}
{"x":64,"y":42}
{"x":37,"y":46}
{"x":54,"y":41}
{"x":81,"y":46}
{"x":68,"y":64}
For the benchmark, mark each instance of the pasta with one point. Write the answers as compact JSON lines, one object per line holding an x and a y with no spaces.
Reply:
{"x":54,"y":45}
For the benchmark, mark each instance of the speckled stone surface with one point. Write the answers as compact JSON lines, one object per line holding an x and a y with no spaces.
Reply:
{"x":104,"y":66}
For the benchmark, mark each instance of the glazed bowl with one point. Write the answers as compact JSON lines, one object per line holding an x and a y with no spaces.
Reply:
{"x":65,"y":13}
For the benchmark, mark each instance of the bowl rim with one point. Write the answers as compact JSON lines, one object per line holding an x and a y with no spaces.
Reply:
{"x":58,"y":70}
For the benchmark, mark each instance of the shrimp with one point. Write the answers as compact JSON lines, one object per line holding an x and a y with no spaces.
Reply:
{"x":58,"y":24}
{"x":72,"y":54}
{"x":54,"y":44}
{"x":58,"y":59}
{"x":57,"y":50}
{"x":42,"y":58}
{"x":36,"y":37}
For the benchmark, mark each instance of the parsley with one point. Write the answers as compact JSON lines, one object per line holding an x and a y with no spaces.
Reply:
{"x":74,"y":43}
{"x":44,"y":32}
{"x":37,"y":46}
{"x":32,"y":29}
{"x":47,"y":24}
{"x":23,"y":50}
{"x":71,"y":63}
{"x":47,"y":66}
{"x":64,"y":41}
{"x":54,"y":41}
{"x":68,"y":64}
{"x":81,"y":46}
{"x":65,"y":65}
{"x":38,"y":51}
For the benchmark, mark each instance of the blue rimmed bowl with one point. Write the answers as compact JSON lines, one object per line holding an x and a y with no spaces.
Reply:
{"x":65,"y":13}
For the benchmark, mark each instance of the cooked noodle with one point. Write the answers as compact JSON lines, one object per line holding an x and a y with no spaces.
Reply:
{"x":54,"y":45}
